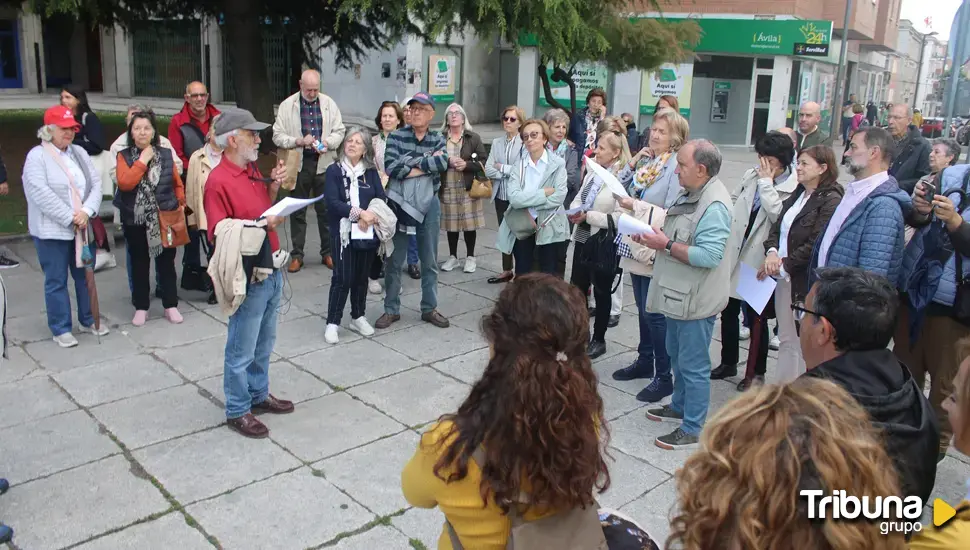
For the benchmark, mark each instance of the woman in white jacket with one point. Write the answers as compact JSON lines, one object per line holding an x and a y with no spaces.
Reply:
{"x":506,"y":151}
{"x":63,"y":191}
{"x":596,"y":201}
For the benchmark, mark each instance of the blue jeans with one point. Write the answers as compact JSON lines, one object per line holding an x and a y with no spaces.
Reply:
{"x":427,"y":240}
{"x":252,"y":335}
{"x":653,"y":331}
{"x":56,"y":259}
{"x":689,"y":344}
{"x":131,"y":283}
{"x":413,"y":250}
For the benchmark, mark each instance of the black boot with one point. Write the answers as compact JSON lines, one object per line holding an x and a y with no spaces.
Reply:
{"x":596,"y":348}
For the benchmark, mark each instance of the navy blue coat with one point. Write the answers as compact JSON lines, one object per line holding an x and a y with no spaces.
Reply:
{"x":338,"y":201}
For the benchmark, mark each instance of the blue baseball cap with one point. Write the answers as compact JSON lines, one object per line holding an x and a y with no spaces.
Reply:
{"x":422,"y":98}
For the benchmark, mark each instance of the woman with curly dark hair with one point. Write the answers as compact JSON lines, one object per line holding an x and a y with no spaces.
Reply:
{"x":536,"y":415}
{"x":742,"y":488}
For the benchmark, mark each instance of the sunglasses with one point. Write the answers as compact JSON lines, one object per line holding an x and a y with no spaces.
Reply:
{"x":509,"y":119}
{"x":197,"y":96}
{"x":531,"y":135}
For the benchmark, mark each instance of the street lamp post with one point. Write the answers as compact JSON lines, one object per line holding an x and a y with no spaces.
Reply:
{"x":839,"y":92}
{"x":919,"y":66}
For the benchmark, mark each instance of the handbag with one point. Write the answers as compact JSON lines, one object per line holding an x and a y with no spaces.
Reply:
{"x":519,"y":220}
{"x":600,"y":255}
{"x":172,"y":226}
{"x":481,"y":186}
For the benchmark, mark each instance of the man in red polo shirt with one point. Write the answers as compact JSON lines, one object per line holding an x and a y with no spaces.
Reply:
{"x":235,"y":189}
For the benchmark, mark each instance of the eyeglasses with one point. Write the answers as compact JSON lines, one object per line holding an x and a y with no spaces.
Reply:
{"x":509,"y":119}
{"x":197,"y":96}
{"x":531,"y":135}
{"x":799,"y":311}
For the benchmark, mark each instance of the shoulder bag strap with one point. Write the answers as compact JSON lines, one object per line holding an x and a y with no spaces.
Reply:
{"x":75,"y":194}
{"x":479,"y":457}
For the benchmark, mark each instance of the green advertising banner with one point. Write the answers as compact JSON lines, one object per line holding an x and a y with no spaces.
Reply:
{"x":763,"y":36}
{"x":586,"y":77}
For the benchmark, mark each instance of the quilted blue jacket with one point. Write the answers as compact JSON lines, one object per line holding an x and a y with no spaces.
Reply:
{"x":872,"y":237}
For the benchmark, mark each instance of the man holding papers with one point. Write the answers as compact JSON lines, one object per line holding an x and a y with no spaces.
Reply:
{"x":691,"y":285}
{"x":236,"y":190}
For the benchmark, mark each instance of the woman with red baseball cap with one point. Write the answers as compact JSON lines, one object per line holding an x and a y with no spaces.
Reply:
{"x":63,"y":191}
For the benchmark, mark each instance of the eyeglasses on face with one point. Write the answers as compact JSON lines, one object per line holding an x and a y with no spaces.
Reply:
{"x":526,"y":136}
{"x":509,"y":119}
{"x":799,"y":312}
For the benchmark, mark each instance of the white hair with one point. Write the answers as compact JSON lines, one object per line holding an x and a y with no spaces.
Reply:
{"x":464,"y":115}
{"x":222,"y":141}
{"x":46,"y":132}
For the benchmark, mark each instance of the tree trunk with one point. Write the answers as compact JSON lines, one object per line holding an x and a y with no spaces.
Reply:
{"x":248,"y":65}
{"x":558,"y":75}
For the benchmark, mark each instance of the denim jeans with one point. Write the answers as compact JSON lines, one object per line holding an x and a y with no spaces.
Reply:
{"x":413,"y":250}
{"x":56,"y":259}
{"x":252,"y":335}
{"x":131,"y":280}
{"x":689,"y":344}
{"x":427,"y":241}
{"x":653,"y":331}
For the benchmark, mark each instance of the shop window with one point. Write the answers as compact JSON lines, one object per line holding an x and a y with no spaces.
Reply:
{"x":723,"y":67}
{"x":766,"y":63}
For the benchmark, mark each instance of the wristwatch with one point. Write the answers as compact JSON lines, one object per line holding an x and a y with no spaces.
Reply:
{"x":670,"y":246}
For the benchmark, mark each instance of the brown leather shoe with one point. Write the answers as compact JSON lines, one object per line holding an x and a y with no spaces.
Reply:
{"x":386,"y":320}
{"x":273,"y":405}
{"x":296,"y":264}
{"x":328,"y":261}
{"x":249,"y":426}
{"x":435,"y":319}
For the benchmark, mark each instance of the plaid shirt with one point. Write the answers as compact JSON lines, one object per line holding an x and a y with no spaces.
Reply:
{"x":404,"y":152}
{"x":311,"y":120}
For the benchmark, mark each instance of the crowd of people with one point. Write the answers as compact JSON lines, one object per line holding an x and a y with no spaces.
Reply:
{"x":855,"y":267}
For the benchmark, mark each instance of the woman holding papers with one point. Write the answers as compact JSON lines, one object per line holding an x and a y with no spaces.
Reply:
{"x":652,"y":179}
{"x":757,"y":206}
{"x":536,"y":188}
{"x":351,"y":184}
{"x":804,"y":215}
{"x":594,"y":203}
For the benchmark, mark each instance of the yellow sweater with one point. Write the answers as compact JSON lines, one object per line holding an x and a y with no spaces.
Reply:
{"x":955,"y":535}
{"x":479,"y":527}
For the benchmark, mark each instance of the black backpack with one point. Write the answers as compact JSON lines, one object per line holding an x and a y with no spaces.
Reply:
{"x":600,"y":253}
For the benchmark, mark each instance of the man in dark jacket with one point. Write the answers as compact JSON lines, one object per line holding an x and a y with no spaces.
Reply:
{"x":912,"y":159}
{"x":187,"y":132}
{"x":846,"y":323}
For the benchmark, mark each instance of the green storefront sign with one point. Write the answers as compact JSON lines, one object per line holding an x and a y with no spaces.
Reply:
{"x":760,"y":36}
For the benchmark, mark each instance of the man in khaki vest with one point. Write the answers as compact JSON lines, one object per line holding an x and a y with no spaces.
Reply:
{"x":691,"y":285}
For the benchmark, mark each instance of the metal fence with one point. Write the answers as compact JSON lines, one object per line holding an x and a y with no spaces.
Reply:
{"x":279,"y":64}
{"x":167,"y":56}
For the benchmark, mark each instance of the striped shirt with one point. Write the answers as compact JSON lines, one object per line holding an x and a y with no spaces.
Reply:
{"x":404,"y":152}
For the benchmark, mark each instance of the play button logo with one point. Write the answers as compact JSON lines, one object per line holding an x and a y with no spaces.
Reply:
{"x":942,"y":512}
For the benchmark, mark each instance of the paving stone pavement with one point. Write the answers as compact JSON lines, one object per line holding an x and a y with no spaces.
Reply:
{"x":120,"y":444}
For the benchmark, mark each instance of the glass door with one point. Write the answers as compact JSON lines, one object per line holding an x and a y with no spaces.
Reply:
{"x":762,"y":103}
{"x":10,"y":73}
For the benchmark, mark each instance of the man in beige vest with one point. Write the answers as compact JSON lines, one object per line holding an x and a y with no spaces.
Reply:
{"x":691,"y":285}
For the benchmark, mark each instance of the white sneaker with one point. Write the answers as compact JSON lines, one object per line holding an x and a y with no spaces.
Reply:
{"x":363,"y":327}
{"x":470,"y":264}
{"x":451,"y":264}
{"x":103,"y":331}
{"x":331,"y":335}
{"x":745,"y":333}
{"x":774,"y":343}
{"x":66,"y":340}
{"x":374,"y":287}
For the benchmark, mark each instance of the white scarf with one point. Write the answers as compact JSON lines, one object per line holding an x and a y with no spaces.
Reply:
{"x":353,"y":173}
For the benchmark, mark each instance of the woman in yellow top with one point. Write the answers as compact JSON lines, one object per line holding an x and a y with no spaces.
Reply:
{"x":955,"y":534}
{"x":535,"y":412}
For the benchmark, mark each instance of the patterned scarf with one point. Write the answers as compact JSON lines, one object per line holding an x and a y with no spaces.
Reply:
{"x":648,"y":170}
{"x":561,"y":150}
{"x":146,"y":206}
{"x":591,"y":123}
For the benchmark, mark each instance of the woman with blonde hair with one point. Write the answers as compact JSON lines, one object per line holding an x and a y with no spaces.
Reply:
{"x":742,"y":488}
{"x":506,"y":151}
{"x":595,"y":201}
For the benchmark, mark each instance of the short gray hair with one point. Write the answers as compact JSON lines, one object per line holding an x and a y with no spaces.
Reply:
{"x":707,"y":155}
{"x":909,"y":110}
{"x":952,"y":148}
{"x":554,"y":116}
{"x":46,"y":132}
{"x":368,"y":158}
{"x":222,"y":141}
{"x":139,"y":107}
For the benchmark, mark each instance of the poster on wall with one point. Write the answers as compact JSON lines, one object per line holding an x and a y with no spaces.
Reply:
{"x":719,"y":101}
{"x":442,"y":77}
{"x":586,"y":77}
{"x":669,"y":79}
{"x":805,"y":94}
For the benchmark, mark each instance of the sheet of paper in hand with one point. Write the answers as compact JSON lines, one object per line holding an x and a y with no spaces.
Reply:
{"x":609,"y":179}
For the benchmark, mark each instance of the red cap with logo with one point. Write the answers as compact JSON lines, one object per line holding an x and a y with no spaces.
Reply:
{"x":61,"y":116}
